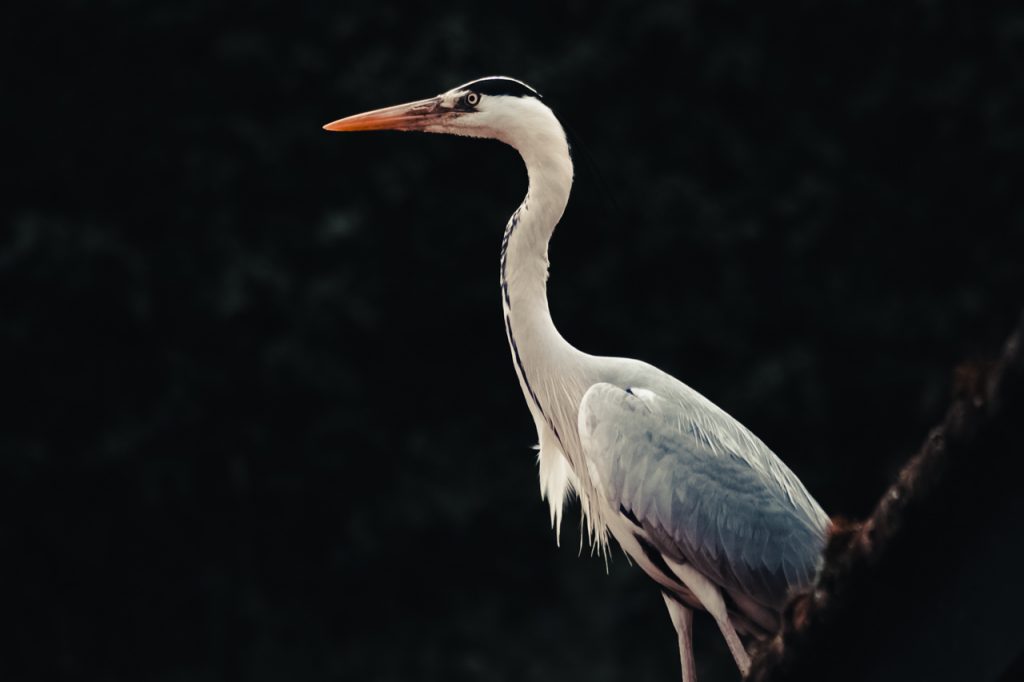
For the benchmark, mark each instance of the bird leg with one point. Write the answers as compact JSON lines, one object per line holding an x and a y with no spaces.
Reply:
{"x":739,"y":653}
{"x":682,"y":619}
{"x":711,"y":599}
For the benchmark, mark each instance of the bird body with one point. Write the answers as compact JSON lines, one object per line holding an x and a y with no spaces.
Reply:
{"x":694,"y":498}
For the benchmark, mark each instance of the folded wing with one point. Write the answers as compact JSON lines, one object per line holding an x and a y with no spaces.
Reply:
{"x":704,"y":489}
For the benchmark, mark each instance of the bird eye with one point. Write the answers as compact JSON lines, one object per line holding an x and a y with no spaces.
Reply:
{"x":472,"y":98}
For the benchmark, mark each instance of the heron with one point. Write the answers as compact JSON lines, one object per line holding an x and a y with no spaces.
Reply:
{"x":691,"y":496}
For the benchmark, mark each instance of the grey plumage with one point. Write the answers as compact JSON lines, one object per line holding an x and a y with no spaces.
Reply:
{"x":705,"y":490}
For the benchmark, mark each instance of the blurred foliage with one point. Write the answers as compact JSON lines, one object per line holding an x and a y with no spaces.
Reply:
{"x":261,"y":422}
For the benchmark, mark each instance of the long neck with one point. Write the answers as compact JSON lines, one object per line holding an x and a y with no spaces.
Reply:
{"x":524,"y":249}
{"x":552,"y":373}
{"x":542,"y":357}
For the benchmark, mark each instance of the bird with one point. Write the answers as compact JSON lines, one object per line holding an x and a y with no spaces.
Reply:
{"x":690,"y":495}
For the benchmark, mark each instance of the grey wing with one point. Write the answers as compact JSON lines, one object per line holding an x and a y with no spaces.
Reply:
{"x":703,"y":488}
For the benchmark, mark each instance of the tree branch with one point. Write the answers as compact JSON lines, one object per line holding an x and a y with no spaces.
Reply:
{"x":929,"y":586}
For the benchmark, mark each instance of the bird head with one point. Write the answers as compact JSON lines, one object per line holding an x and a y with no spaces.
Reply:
{"x":495,"y":107}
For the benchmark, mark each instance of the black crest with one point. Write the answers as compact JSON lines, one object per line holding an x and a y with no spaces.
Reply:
{"x":501,"y":85}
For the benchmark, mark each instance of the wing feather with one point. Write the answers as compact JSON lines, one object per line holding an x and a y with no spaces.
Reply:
{"x":706,"y":490}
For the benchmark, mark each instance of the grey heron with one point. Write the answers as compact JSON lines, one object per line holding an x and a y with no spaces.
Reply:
{"x":694,"y":498}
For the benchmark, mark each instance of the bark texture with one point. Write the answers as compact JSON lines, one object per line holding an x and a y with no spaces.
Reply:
{"x":929,"y":586}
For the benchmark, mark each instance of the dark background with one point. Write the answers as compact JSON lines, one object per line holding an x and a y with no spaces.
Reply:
{"x":261,"y":421}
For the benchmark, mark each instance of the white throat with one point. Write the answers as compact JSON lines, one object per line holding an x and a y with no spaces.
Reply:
{"x":552,"y":374}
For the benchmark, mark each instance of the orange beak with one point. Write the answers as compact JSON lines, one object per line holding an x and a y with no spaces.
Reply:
{"x":411,"y":116}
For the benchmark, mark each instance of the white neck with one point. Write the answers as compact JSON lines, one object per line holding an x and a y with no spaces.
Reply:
{"x":524,"y":249}
{"x":552,"y":373}
{"x":537,"y":348}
